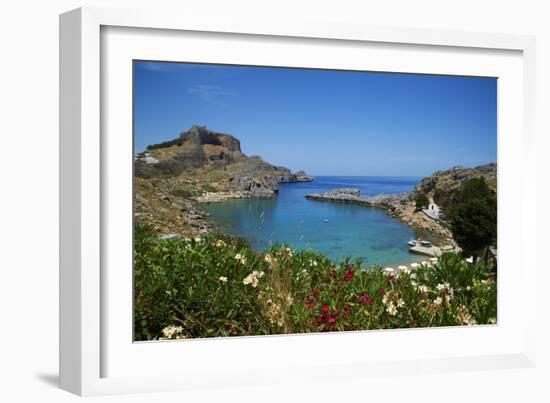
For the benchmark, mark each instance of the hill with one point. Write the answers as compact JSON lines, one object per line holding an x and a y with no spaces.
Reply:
{"x":441,"y":184}
{"x":200,"y":165}
{"x":438,"y":187}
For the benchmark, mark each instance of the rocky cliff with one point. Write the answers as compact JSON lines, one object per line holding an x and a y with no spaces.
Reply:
{"x":199,"y":165}
{"x":441,"y":184}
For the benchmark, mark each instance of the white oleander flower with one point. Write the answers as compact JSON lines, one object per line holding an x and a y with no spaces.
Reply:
{"x":253,"y":278}
{"x":172,"y":331}
{"x":442,"y":286}
{"x":220,"y":243}
{"x":446,"y":291}
{"x":198,"y":240}
{"x":222,"y":279}
{"x":289,"y":299}
{"x":464,"y":316}
{"x":438,"y":301}
{"x":240,"y":258}
{"x":391,"y":309}
{"x":424,"y":289}
{"x":400,"y":303}
{"x":449,"y":297}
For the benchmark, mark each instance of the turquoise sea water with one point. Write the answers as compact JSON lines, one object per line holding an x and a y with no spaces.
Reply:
{"x":351,"y":230}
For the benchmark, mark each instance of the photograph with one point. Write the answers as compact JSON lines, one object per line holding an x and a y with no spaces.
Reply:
{"x":285,"y":200}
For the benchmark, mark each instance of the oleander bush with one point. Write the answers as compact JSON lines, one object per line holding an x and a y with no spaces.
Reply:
{"x":218,"y":286}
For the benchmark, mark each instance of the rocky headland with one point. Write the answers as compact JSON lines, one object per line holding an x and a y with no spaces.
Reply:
{"x":441,"y":184}
{"x":199,"y":166}
{"x":438,"y":187}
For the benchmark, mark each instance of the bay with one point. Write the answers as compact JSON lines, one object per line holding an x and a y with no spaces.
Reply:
{"x":335,"y":229}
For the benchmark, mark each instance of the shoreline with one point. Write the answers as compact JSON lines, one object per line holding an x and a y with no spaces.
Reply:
{"x":398,"y":206}
{"x":392,"y":204}
{"x":194,"y":219}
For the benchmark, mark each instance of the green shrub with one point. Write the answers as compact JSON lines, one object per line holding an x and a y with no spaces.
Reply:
{"x":166,"y":144}
{"x":421,"y":200}
{"x":472,"y":211}
{"x":218,"y":286}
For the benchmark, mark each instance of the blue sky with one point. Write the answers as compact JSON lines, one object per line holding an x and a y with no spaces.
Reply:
{"x":323,"y":121}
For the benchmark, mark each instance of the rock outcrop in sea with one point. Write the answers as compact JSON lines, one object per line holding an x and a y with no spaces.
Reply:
{"x":352,"y":195}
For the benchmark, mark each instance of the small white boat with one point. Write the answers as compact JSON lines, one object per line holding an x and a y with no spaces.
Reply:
{"x":325,"y":220}
{"x":425,"y":243}
{"x":411,"y":243}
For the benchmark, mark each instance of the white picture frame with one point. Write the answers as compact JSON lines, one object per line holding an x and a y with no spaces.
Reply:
{"x":88,"y":335}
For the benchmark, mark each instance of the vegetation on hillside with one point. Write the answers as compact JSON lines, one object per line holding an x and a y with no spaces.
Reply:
{"x":442,"y":184}
{"x":472,"y":211}
{"x":421,"y":200}
{"x":166,"y":144}
{"x":218,"y":286}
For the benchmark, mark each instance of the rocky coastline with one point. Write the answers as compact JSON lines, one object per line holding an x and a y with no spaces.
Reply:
{"x":172,"y":179}
{"x":399,"y":206}
{"x":437,"y":187}
{"x":352,"y":195}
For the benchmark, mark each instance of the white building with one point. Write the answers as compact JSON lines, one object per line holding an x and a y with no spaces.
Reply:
{"x":150,"y":160}
{"x":432,"y":211}
{"x":434,"y":208}
{"x":147,"y":158}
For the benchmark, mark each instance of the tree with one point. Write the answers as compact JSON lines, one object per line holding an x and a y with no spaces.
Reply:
{"x":472,"y":212}
{"x":421,"y":200}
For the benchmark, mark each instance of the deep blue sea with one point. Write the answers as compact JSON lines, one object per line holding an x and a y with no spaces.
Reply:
{"x":351,"y":230}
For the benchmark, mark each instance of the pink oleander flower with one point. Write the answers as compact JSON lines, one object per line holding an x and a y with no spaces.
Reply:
{"x":391,"y":279}
{"x":349,"y":274}
{"x":365,"y":299}
{"x":347,"y":310}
